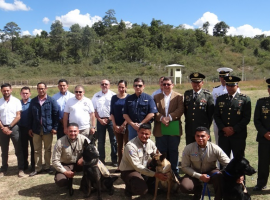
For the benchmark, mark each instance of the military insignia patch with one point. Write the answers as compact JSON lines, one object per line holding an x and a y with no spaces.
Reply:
{"x":131,"y":152}
{"x":195,"y":74}
{"x":230,"y":78}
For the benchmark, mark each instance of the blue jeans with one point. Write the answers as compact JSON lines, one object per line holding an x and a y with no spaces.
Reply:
{"x":169,"y":144}
{"x":132,"y":133}
{"x":101,"y":135}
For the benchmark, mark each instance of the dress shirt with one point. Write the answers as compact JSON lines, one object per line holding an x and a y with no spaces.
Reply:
{"x":61,"y":100}
{"x":24,"y":115}
{"x":8,"y":109}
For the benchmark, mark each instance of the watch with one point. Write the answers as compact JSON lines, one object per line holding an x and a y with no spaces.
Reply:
{"x":93,"y":127}
{"x":10,"y":127}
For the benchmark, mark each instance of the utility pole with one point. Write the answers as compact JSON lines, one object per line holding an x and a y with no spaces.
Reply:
{"x":243,"y":68}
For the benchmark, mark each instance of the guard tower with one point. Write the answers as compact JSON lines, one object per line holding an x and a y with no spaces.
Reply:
{"x":175,"y":71}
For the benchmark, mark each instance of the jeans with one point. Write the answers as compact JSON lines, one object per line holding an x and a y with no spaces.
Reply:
{"x":101,"y":135}
{"x":169,"y":144}
{"x":132,"y":133}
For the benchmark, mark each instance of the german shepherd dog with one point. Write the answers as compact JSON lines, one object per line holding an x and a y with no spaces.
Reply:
{"x":239,"y":166}
{"x":160,"y":164}
{"x":92,"y":176}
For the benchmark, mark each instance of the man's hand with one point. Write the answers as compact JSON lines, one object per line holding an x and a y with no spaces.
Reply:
{"x":66,"y":131}
{"x":92,"y":131}
{"x":267,"y":135}
{"x":103,"y":122}
{"x":69,"y":174}
{"x":30,"y":133}
{"x":53,"y":131}
{"x":165,"y":121}
{"x":161,"y":176}
{"x":240,"y":180}
{"x":228,"y":131}
{"x":135,"y":126}
{"x":6,"y":130}
{"x":80,"y":162}
{"x":205,"y":178}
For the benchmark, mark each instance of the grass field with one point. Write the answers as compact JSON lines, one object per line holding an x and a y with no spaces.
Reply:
{"x":43,"y":187}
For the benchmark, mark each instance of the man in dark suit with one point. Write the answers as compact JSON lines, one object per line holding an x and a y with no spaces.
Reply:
{"x":170,"y":108}
{"x":262,"y":124}
{"x":199,"y":107}
{"x":232,"y":115}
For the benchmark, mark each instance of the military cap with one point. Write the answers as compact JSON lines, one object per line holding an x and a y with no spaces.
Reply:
{"x":224,"y":71}
{"x":196,"y":77}
{"x":268,"y":82}
{"x":232,"y":80}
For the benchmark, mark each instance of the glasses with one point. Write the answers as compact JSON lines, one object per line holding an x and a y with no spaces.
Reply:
{"x":78,"y":92}
{"x":104,"y":84}
{"x":167,"y":84}
{"x":138,"y":86}
{"x":41,"y":88}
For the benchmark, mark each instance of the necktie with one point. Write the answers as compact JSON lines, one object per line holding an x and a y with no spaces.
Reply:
{"x":195,"y":96}
{"x":230,"y":97}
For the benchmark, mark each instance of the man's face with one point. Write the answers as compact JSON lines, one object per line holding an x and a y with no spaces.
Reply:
{"x":25,"y":94}
{"x":161,"y":83}
{"x":222,"y":81}
{"x":42,"y":90}
{"x":6,"y":91}
{"x":231,"y":89}
{"x":63,"y":87}
{"x":79,"y":93}
{"x":201,"y":138}
{"x":138,"y":87}
{"x":105,"y":86}
{"x":144,"y":134}
{"x":167,"y":87}
{"x":73,"y":132}
{"x":197,"y":85}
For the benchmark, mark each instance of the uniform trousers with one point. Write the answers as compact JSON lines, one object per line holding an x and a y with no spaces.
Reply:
{"x":37,"y":141}
{"x":15,"y":138}
{"x":60,"y":130}
{"x":263,"y":163}
{"x":192,"y":185}
{"x":85,"y":132}
{"x":236,"y":145}
{"x":60,"y":179}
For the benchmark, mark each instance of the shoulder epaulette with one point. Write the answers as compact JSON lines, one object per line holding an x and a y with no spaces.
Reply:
{"x":216,"y":86}
{"x":206,"y":91}
{"x":189,"y":90}
{"x":226,"y":94}
{"x":242,"y":95}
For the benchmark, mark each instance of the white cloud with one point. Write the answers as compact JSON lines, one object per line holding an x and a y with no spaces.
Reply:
{"x":74,"y":17}
{"x":186,"y":26}
{"x":207,"y":17}
{"x":45,"y":20}
{"x":17,"y":5}
{"x":37,"y":32}
{"x":128,"y":24}
{"x":25,"y":33}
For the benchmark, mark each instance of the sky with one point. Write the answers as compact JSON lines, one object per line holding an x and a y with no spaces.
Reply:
{"x":244,"y":17}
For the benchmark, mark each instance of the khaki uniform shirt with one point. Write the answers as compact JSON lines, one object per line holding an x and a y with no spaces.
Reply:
{"x":67,"y":152}
{"x":195,"y":162}
{"x":136,"y":156}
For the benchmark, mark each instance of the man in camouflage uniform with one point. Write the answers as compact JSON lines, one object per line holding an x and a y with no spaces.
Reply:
{"x":199,"y":107}
{"x":262,"y":124}
{"x":232,"y":115}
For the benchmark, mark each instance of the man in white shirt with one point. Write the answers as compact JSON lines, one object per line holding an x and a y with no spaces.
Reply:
{"x":102,"y":104}
{"x":10,"y":114}
{"x":160,"y":90}
{"x":61,"y":98}
{"x":80,"y":110}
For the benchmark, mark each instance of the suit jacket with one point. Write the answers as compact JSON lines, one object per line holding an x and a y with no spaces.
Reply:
{"x":235,"y":113}
{"x":176,"y":110}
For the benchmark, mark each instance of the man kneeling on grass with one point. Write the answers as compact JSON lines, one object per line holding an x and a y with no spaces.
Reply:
{"x":67,"y":155}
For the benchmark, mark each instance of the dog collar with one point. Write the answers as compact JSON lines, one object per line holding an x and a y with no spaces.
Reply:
{"x":228,"y":173}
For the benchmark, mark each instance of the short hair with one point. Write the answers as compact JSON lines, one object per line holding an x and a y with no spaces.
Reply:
{"x":138,"y":80}
{"x":73,"y":124}
{"x":202,"y":128}
{"x":167,"y":79}
{"x":42,"y":83}
{"x":145,"y":126}
{"x":26,"y":88}
{"x":106,"y":80}
{"x":162,"y":77}
{"x":5,"y":85}
{"x":63,"y":80}
{"x":79,"y":86}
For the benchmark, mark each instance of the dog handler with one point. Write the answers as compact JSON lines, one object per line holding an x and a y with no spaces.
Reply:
{"x":67,"y":155}
{"x":133,"y":166}
{"x":199,"y":162}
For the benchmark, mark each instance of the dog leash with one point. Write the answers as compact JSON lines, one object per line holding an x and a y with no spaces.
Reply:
{"x":206,"y":187}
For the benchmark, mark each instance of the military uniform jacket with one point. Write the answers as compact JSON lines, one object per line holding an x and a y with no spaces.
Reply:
{"x":198,"y":113}
{"x":136,"y":156}
{"x":235,"y":113}
{"x":262,"y":118}
{"x":220,"y":90}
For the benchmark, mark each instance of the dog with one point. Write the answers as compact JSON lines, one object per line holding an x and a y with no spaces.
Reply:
{"x":95,"y":174}
{"x":238,"y":166}
{"x":159,"y":163}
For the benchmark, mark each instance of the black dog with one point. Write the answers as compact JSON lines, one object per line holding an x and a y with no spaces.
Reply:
{"x":238,"y":167}
{"x":92,"y":176}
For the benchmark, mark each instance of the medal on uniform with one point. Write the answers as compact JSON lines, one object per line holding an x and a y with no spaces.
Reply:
{"x":200,"y":107}
{"x":238,"y":112}
{"x":265,"y":117}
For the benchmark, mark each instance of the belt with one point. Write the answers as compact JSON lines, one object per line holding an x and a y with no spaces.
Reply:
{"x":104,"y":118}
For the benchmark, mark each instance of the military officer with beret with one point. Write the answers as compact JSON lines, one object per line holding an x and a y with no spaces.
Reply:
{"x":232,"y":115}
{"x":262,"y":124}
{"x":199,"y":107}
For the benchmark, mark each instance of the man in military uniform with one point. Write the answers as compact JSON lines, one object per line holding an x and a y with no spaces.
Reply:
{"x":232,"y":115}
{"x":199,"y":107}
{"x":262,"y":124}
{"x":133,"y":166}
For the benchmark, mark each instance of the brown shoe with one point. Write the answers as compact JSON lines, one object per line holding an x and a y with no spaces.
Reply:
{"x":21,"y":174}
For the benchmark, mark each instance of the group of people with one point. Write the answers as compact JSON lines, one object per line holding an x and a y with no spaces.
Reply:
{"x":127,"y":119}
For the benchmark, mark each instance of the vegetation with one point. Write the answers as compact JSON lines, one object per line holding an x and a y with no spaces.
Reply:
{"x":110,"y":47}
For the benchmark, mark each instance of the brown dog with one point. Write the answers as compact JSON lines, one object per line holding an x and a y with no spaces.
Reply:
{"x":162,"y":165}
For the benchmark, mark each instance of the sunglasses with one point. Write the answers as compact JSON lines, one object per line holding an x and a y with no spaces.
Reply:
{"x":78,"y":92}
{"x":167,"y":84}
{"x":138,"y":86}
{"x":104,"y":84}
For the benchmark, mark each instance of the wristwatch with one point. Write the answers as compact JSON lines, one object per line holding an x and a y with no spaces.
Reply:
{"x":93,"y":127}
{"x":10,"y":127}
